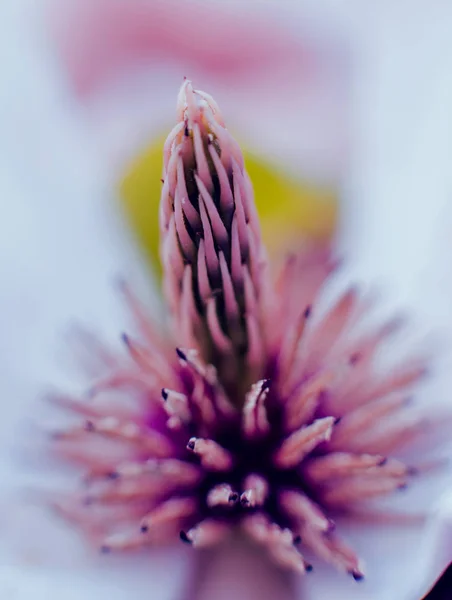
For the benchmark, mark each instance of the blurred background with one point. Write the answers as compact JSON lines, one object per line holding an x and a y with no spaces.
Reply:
{"x":343,"y":110}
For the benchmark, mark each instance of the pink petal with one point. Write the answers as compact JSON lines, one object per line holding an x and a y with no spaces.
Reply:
{"x":98,"y":38}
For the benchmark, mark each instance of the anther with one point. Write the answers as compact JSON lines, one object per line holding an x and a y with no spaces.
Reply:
{"x":181,"y":354}
{"x":183,"y":536}
{"x":213,"y":456}
{"x":222,"y":495}
{"x":265,"y":385}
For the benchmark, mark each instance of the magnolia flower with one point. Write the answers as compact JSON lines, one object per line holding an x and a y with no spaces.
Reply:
{"x":263,"y":414}
{"x":60,"y":246}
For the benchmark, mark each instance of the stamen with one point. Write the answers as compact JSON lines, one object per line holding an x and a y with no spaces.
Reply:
{"x":290,"y":343}
{"x":385,"y":440}
{"x":213,"y":456}
{"x":304,"y":510}
{"x":356,"y":489}
{"x":396,"y":380}
{"x":340,"y":464}
{"x":151,"y":334}
{"x":171,"y":510}
{"x":150,"y":440}
{"x":75,"y":405}
{"x":300,"y":443}
{"x":301,"y":404}
{"x":117,"y":491}
{"x":331,"y":549}
{"x":190,"y":358}
{"x":288,"y":557}
{"x":222,"y":495}
{"x":144,"y":358}
{"x":205,"y":375}
{"x":391,"y":468}
{"x":123,"y":541}
{"x":203,"y":401}
{"x":205,"y":534}
{"x":122,"y":379}
{"x":365,"y":417}
{"x":330,"y":329}
{"x":256,"y":491}
{"x":176,"y":403}
{"x":255,"y":420}
{"x":171,"y":469}
{"x":278,"y":542}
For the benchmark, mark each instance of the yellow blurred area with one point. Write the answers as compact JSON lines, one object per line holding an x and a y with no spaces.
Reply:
{"x":288,"y":208}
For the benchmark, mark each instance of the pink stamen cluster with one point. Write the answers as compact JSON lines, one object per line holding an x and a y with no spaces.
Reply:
{"x":261,"y":417}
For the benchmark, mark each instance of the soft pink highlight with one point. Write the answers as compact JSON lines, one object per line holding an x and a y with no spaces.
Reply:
{"x":100,"y":38}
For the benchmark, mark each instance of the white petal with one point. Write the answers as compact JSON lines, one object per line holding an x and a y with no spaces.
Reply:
{"x":397,"y":216}
{"x":401,"y":563}
{"x":41,"y":286}
{"x":61,"y":246}
{"x":436,"y":549}
{"x":43,"y":583}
